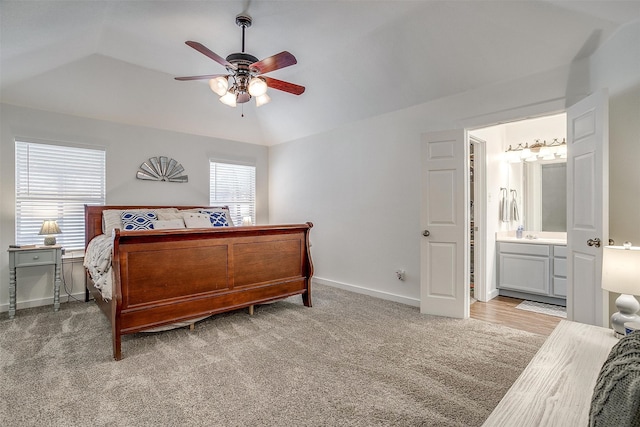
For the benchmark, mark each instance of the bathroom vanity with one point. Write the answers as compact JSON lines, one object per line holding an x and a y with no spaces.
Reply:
{"x":533,"y":268}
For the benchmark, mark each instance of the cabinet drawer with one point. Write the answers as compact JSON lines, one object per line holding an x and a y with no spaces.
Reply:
{"x":560,"y":251}
{"x":524,"y":249}
{"x":560,"y":267}
{"x":42,"y":257}
{"x":559,"y":287}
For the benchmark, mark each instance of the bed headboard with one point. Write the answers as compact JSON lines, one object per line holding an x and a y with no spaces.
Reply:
{"x":93,"y":217}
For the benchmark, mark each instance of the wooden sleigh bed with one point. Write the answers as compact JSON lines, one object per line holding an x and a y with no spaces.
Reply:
{"x":162,"y":277}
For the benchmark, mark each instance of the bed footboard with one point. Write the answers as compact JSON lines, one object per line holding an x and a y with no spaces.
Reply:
{"x":167,"y":276}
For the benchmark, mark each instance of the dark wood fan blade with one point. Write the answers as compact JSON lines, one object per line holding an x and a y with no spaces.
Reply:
{"x":206,"y":51}
{"x":284,"y":86}
{"x":205,"y":77}
{"x":275,"y":62}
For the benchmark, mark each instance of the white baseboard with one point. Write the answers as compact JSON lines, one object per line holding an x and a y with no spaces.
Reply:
{"x":414,"y":302}
{"x":64,"y":298}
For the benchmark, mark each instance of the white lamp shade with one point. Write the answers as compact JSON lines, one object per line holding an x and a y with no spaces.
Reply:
{"x":49,"y":227}
{"x":262,"y":99}
{"x":219,"y":85}
{"x":228,"y":99}
{"x":257,"y":87}
{"x":621,"y":270}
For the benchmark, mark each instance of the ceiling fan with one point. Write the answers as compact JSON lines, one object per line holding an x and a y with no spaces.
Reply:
{"x":245,"y":77}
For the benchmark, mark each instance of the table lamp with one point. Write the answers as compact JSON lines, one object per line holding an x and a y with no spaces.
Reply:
{"x":621,"y":274}
{"x":48,"y":229}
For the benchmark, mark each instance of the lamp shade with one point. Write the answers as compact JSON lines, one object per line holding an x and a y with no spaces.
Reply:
{"x":49,"y":227}
{"x":621,"y":269}
{"x":262,"y":99}
{"x":219,"y":85}
{"x":228,"y":99}
{"x":257,"y":86}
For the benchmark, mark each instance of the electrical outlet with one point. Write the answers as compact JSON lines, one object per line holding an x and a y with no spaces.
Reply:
{"x":400,"y":274}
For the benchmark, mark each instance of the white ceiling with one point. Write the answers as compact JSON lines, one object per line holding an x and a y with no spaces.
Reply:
{"x":115,"y":60}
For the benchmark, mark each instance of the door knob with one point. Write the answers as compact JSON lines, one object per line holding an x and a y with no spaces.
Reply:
{"x":612,"y":242}
{"x":426,"y":233}
{"x":594,"y":242}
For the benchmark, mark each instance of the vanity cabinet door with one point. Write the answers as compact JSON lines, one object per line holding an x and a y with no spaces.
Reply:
{"x":521,"y":271}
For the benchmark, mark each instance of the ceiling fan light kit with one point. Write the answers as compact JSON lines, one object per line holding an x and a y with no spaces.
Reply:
{"x":245,"y":73}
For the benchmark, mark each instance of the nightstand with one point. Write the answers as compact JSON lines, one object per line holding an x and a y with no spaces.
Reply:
{"x":32,"y":257}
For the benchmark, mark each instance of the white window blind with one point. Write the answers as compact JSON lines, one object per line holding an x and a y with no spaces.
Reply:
{"x":55,"y":182}
{"x":233,"y":185}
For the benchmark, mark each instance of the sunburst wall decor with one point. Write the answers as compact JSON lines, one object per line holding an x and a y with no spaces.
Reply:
{"x":162,"y":168}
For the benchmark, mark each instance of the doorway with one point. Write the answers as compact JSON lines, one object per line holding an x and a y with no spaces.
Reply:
{"x":491,"y":172}
{"x":444,"y":264}
{"x":477,"y":215}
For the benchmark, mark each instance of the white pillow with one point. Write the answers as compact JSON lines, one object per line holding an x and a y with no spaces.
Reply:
{"x":196,"y":220}
{"x":165,"y":215}
{"x":213,"y":209}
{"x":168,"y":224}
{"x":110,"y":220}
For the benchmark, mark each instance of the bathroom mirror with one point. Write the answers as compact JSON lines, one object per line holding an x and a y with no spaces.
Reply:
{"x":545,"y":195}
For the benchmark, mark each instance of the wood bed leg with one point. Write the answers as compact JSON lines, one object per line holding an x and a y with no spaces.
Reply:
{"x":251,"y":310}
{"x":306,"y":299}
{"x":117,"y":347}
{"x":192,"y":326}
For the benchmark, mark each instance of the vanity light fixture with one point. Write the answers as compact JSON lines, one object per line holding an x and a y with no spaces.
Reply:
{"x":537,"y":151}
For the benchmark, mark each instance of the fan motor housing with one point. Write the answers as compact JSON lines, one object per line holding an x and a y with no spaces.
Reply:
{"x":241,"y":58}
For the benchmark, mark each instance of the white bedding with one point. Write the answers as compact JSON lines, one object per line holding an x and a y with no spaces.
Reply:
{"x":97,"y":261}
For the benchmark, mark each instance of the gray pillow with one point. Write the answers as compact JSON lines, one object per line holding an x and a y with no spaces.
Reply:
{"x":616,"y":396}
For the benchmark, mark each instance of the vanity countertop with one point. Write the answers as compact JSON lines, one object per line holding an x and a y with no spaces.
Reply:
{"x":533,"y":237}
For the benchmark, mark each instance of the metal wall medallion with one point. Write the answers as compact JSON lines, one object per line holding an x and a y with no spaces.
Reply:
{"x":162,"y":169}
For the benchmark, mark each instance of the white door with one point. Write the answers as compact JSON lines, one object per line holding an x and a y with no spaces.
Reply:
{"x":587,"y":207}
{"x":445,"y":223}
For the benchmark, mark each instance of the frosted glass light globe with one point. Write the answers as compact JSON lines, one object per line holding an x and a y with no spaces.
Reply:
{"x":228,"y":99}
{"x":257,"y":86}
{"x":219,"y":85}
{"x":262,"y":99}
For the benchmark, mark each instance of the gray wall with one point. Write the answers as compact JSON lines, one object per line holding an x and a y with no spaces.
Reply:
{"x":126,"y":148}
{"x":359,"y":184}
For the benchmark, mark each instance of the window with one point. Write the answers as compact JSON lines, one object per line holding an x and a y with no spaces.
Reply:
{"x":55,"y":182}
{"x":233,"y":185}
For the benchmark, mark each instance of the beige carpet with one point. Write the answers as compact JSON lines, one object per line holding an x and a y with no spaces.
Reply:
{"x":351,"y":360}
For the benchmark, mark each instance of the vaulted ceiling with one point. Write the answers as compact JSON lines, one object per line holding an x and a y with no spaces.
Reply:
{"x":116,"y":60}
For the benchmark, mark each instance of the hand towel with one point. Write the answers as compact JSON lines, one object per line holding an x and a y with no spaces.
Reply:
{"x":504,"y":205}
{"x":515,"y":216}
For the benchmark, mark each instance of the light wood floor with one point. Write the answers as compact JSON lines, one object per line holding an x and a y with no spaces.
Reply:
{"x":502,"y":310}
